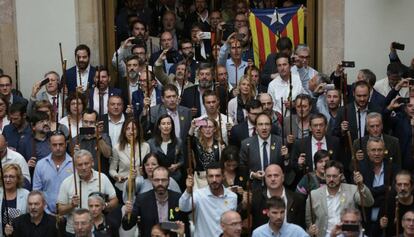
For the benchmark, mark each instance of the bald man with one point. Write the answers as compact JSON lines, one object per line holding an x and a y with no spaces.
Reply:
{"x":9,"y":156}
{"x":295,"y":203}
{"x":231,"y":224}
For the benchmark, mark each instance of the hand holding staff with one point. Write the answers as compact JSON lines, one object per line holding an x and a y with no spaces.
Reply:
{"x":190,"y":175}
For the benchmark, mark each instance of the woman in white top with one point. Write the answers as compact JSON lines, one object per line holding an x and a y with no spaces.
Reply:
{"x":236,"y":107}
{"x":14,"y":194}
{"x":73,"y":114}
{"x":121,"y":155}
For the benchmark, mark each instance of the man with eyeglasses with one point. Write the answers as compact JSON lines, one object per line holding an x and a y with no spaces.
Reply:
{"x":302,"y":57}
{"x":52,"y":170}
{"x":267,"y":145}
{"x":187,"y":51}
{"x":155,"y":206}
{"x":6,"y":90}
{"x":231,"y":224}
{"x":94,"y":140}
{"x":350,"y":225}
{"x":328,"y":201}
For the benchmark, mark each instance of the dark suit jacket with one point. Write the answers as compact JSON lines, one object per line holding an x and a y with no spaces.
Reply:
{"x":138,"y":100}
{"x":241,"y":131}
{"x":19,"y":99}
{"x":191,"y":99}
{"x":145,"y":206}
{"x":71,"y":77}
{"x":111,"y":91}
{"x":295,"y":208}
{"x":392,"y":144}
{"x":305,"y":146}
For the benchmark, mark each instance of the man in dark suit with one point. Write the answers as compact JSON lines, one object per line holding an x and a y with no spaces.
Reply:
{"x":146,"y":95}
{"x":82,"y":69}
{"x":268,"y":146}
{"x":305,"y":148}
{"x":191,"y":97}
{"x":350,"y":121}
{"x":6,"y":91}
{"x":149,"y":205}
{"x":166,"y":41}
{"x":374,"y":128}
{"x":295,"y":202}
{"x":99,"y":95}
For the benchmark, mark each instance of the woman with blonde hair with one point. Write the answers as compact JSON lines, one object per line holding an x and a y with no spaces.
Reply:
{"x":13,"y":200}
{"x":245,"y":92}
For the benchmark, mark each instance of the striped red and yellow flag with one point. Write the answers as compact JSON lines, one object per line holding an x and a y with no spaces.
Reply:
{"x":267,"y":25}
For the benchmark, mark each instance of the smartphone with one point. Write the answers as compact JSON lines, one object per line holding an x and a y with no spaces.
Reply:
{"x":201,"y":122}
{"x":87,"y":131}
{"x":44,"y":82}
{"x":205,"y":35}
{"x":172,"y":56}
{"x":350,"y":227}
{"x":168,"y":225}
{"x":398,"y":46}
{"x":348,"y":64}
{"x":403,"y":100}
{"x":329,"y":87}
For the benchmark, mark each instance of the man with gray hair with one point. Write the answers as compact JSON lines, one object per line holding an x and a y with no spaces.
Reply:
{"x":301,"y":57}
{"x":82,"y":220}
{"x":374,"y":127}
{"x":350,"y":225}
{"x":231,"y":224}
{"x":75,"y":189}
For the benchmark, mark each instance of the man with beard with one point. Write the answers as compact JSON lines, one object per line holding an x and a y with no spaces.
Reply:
{"x":403,"y":185}
{"x":35,"y":223}
{"x":200,"y":16}
{"x":147,"y":95}
{"x":235,"y":65}
{"x":50,"y":94}
{"x":187,"y":51}
{"x":102,"y":88}
{"x":329,"y":107}
{"x":267,"y":104}
{"x":155,"y":206}
{"x":130,"y":84}
{"x":180,"y":78}
{"x":52,"y":170}
{"x":231,"y":224}
{"x":82,"y":69}
{"x":210,"y":202}
{"x":88,"y":181}
{"x":277,"y":225}
{"x":18,"y":126}
{"x":193,"y":96}
{"x":36,"y":145}
{"x":328,"y":201}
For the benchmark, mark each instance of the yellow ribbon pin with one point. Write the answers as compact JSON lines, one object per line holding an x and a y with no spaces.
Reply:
{"x":171,"y":214}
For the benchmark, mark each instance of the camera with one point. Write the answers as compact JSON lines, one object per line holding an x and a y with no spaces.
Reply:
{"x":138,"y":41}
{"x":350,"y":227}
{"x":398,"y":46}
{"x":403,"y":100}
{"x":172,"y":56}
{"x":350,"y":64}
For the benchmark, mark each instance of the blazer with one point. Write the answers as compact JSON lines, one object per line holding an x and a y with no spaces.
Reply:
{"x":349,"y":197}
{"x":71,"y":78}
{"x":295,"y":208}
{"x":21,"y":203}
{"x":191,"y":99}
{"x":250,"y":158}
{"x":240,"y":132}
{"x":111,"y":91}
{"x":138,"y":100}
{"x":304,"y":145}
{"x":392,"y":144}
{"x":145,"y":207}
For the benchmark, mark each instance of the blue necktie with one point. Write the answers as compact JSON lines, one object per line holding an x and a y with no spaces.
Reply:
{"x":265,"y":156}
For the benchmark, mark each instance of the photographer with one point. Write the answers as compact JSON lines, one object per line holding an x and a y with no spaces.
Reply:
{"x":393,"y":56}
{"x":166,"y":44}
{"x":350,"y":225}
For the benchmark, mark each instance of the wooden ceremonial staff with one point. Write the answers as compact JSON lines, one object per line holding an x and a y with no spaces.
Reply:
{"x":282,"y":123}
{"x":351,"y":148}
{"x":77,"y":108}
{"x":100,"y":93}
{"x":63,"y":81}
{"x":98,"y":156}
{"x":291,"y":105}
{"x":387,"y":190}
{"x":80,"y":193}
{"x":148,"y":90}
{"x":131,"y":167}
{"x":308,"y":190}
{"x":16,"y":69}
{"x":397,"y":216}
{"x":190,"y":171}
{"x":359,"y":129}
{"x":249,"y":190}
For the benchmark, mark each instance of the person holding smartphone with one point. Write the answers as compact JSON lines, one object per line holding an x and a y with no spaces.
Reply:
{"x":350,"y":225}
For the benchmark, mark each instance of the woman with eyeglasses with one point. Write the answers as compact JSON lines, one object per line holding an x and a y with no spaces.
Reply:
{"x":245,"y":92}
{"x":102,"y":225}
{"x":4,"y":108}
{"x":14,"y":197}
{"x":74,"y":109}
{"x":46,"y":106}
{"x":167,"y":146}
{"x":121,"y":153}
{"x":206,"y":148}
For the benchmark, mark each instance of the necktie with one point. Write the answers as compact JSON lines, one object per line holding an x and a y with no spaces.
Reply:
{"x":54,"y":104}
{"x":254,"y":131}
{"x":265,"y":156}
{"x":319,"y":146}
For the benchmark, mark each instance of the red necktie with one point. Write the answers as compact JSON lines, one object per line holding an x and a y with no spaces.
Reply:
{"x":319,"y":146}
{"x":54,"y":104}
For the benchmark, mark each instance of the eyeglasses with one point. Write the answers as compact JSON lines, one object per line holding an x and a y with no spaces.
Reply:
{"x":5,"y":85}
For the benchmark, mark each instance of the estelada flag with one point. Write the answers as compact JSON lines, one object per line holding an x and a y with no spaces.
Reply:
{"x":267,"y":25}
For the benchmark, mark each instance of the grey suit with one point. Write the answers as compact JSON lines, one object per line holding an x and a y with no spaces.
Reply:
{"x":348,"y":197}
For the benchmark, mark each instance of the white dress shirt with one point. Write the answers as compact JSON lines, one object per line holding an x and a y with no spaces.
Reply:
{"x":334,"y":210}
{"x":96,"y":100}
{"x":84,"y":76}
{"x":115,"y":129}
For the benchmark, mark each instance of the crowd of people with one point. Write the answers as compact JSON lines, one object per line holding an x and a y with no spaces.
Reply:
{"x":192,"y":139}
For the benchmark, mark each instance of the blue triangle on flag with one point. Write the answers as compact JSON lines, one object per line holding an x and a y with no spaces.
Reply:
{"x":276,"y":19}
